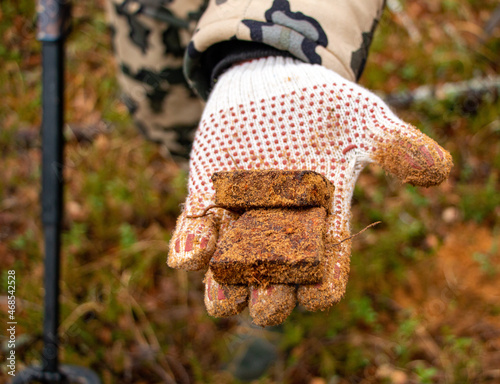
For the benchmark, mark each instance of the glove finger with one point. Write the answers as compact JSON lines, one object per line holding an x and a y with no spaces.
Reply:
{"x":193,"y":242}
{"x":195,"y":238}
{"x":336,"y":270}
{"x":224,"y":300}
{"x":271,"y":305}
{"x":413,"y":157}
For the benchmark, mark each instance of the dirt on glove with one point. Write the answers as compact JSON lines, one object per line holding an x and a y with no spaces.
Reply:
{"x":271,"y":305}
{"x":223,"y":300}
{"x":419,"y":161}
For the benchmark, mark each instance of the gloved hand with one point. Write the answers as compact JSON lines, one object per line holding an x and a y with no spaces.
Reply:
{"x":281,"y":113}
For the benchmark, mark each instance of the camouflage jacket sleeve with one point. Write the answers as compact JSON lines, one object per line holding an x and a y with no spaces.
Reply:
{"x":155,"y":39}
{"x":149,"y":39}
{"x":333,"y":33}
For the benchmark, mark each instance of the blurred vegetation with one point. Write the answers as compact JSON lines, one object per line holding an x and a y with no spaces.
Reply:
{"x":423,"y":299}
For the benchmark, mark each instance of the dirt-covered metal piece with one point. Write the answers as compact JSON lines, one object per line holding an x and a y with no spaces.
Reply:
{"x":279,"y":238}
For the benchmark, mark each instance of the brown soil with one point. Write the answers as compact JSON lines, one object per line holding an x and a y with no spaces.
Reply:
{"x":467,"y":265}
{"x":459,"y":289}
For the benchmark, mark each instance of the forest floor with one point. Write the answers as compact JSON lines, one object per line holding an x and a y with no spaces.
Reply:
{"x":423,"y":299}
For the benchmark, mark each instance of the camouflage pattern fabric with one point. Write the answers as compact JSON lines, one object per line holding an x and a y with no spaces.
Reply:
{"x":154,"y":39}
{"x":149,"y":41}
{"x":333,"y":33}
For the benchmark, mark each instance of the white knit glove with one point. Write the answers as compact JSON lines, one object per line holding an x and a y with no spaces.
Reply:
{"x":283,"y":114}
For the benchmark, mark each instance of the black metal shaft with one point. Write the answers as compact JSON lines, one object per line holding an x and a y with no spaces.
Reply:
{"x":52,"y":15}
{"x":52,"y":192}
{"x":52,"y":18}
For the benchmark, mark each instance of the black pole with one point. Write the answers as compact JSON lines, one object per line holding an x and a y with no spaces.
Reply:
{"x":52,"y":199}
{"x":51,"y":24}
{"x":52,"y":17}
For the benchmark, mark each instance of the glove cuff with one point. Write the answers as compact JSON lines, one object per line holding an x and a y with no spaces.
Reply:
{"x":254,"y":80}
